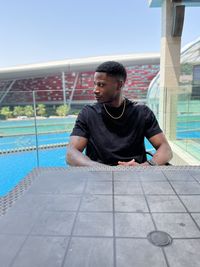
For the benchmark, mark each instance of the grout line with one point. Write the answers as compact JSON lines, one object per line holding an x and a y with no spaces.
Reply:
{"x":26,"y":238}
{"x":114,"y":239}
{"x":74,"y":223}
{"x":189,"y":213}
{"x":164,"y":254}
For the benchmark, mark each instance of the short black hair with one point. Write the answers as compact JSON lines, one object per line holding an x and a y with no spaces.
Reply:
{"x":113,"y":68}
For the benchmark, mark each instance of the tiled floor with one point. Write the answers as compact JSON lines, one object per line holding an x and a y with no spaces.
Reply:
{"x":90,"y":217}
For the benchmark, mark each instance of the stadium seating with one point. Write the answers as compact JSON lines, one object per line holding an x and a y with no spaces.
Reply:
{"x":49,"y":89}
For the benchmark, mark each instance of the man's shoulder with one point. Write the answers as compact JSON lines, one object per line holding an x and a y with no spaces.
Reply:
{"x":138,"y":108}
{"x":92,"y":108}
{"x":135,"y":104}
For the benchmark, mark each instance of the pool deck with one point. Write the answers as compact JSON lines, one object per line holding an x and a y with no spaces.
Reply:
{"x":85,"y":217}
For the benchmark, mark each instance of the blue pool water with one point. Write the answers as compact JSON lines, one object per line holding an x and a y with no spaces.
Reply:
{"x":16,"y":166}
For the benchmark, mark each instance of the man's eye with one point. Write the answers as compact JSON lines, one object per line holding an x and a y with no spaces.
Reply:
{"x":99,"y":84}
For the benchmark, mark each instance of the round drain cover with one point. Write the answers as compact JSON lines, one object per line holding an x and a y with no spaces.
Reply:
{"x":159,"y":238}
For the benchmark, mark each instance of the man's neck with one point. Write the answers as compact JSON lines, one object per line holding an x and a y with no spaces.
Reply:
{"x":116,"y":103}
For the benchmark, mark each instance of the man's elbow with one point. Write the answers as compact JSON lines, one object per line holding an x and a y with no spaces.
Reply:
{"x":69,"y":156}
{"x":170,"y":153}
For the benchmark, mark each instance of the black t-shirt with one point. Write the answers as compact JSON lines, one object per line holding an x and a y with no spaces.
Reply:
{"x":112,"y":140}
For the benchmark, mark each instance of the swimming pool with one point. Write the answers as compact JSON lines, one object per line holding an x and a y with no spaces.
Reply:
{"x":184,"y":130}
{"x":15,"y":166}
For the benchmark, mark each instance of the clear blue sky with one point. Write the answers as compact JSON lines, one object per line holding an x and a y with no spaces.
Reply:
{"x":39,"y":30}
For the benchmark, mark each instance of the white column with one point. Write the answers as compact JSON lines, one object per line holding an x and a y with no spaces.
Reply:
{"x":169,"y":72}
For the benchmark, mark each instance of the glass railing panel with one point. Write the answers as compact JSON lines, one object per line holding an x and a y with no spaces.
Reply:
{"x":178,"y":112}
{"x":187,"y":123}
{"x":18,"y":154}
{"x":54,"y":122}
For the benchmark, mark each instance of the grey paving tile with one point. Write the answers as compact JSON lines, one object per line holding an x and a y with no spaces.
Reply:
{"x":64,"y":174}
{"x":85,"y":252}
{"x":186,"y":187}
{"x":97,"y":203}
{"x":180,"y":175}
{"x":184,"y":253}
{"x":54,"y":223}
{"x":127,"y":187}
{"x":131,"y":176}
{"x":94,"y":224}
{"x":30,"y":201}
{"x":176,"y":225}
{"x":48,"y":208}
{"x":55,"y":184}
{"x":18,"y":222}
{"x":130,"y":203}
{"x":195,"y":174}
{"x":94,"y":175}
{"x":99,"y":187}
{"x":165,"y":204}
{"x":133,"y":224}
{"x":152,"y":175}
{"x":196,"y":217}
{"x":197,"y":177}
{"x":192,"y":203}
{"x":42,"y":251}
{"x":9,"y":245}
{"x":138,"y":253}
{"x":59,"y":202}
{"x":100,"y":176}
{"x":157,"y":188}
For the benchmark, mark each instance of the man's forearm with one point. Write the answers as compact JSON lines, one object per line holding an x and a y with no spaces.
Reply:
{"x":77,"y":158}
{"x":163,"y":154}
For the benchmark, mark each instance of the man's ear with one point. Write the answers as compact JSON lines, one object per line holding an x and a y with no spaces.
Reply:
{"x":121,"y":84}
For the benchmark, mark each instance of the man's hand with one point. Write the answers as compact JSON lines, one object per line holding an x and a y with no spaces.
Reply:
{"x":128,"y":163}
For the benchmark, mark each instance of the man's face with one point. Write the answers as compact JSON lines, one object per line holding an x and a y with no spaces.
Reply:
{"x":106,"y":88}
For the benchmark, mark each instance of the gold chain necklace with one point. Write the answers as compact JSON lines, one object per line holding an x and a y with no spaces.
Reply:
{"x":115,"y":118}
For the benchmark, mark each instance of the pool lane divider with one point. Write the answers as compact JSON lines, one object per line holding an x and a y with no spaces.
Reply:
{"x":32,"y":148}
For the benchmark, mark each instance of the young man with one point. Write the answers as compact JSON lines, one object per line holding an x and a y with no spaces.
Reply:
{"x":113,"y":129}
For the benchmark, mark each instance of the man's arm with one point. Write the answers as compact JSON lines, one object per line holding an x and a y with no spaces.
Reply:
{"x":75,"y":157}
{"x":163,"y":150}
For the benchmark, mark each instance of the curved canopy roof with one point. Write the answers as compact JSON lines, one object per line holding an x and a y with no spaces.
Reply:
{"x":83,"y":64}
{"x":191,"y":52}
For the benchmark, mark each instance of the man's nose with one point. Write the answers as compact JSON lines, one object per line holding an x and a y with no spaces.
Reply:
{"x":96,"y":89}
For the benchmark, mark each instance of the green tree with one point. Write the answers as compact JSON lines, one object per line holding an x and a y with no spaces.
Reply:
{"x":6,"y":112}
{"x":62,"y":110}
{"x":28,"y":111}
{"x":41,"y":110}
{"x":18,"y":111}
